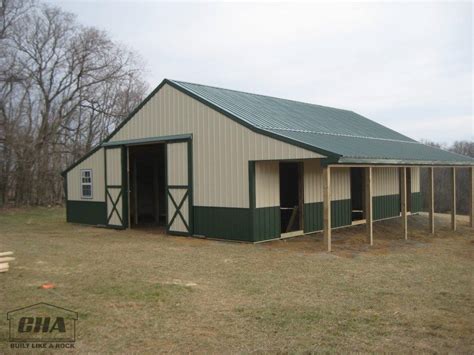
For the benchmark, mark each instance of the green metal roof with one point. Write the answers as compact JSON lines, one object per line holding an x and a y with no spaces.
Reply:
{"x":343,"y":136}
{"x":350,"y":137}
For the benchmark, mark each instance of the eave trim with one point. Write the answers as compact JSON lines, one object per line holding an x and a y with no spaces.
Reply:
{"x":369,"y":161}
{"x":150,"y":140}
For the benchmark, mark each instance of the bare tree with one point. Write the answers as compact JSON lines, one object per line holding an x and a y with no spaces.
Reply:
{"x":10,"y":12}
{"x":63,"y":88}
{"x":463,"y":147}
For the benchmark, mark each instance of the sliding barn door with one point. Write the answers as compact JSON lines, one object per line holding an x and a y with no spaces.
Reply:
{"x":115,"y":182}
{"x":179,"y":187}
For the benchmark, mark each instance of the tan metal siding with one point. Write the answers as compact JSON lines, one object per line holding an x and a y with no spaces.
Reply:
{"x":96,"y":163}
{"x":177,"y":163}
{"x":221,"y":147}
{"x":114,"y":166}
{"x":385,"y":181}
{"x":415,"y":179}
{"x":340,"y":184}
{"x":313,"y":182}
{"x":267,"y":183}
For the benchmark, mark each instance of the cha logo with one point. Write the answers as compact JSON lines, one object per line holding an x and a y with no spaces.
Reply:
{"x":42,"y":322}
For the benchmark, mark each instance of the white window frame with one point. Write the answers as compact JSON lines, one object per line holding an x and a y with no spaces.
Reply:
{"x":86,"y":184}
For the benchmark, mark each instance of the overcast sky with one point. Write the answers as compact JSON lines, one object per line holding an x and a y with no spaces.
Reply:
{"x":405,"y":65}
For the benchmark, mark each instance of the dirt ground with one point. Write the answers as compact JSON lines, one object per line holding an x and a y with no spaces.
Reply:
{"x":141,"y":291}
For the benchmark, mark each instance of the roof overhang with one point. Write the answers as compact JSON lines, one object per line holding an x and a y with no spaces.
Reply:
{"x":397,"y":162}
{"x":150,"y":140}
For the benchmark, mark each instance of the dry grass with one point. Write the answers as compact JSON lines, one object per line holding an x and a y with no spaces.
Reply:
{"x":138,"y":291}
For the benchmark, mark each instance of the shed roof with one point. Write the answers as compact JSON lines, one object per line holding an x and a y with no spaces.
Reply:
{"x":352,"y":138}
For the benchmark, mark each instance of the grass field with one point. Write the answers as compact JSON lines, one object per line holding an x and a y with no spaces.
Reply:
{"x":139,"y":291}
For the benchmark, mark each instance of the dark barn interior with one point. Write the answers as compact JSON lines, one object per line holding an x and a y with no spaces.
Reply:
{"x":358,"y":193}
{"x":291,"y":197}
{"x":147,"y":185}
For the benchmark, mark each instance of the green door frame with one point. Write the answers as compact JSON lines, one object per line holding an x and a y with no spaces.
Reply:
{"x":188,"y":194}
{"x":123,"y":145}
{"x":123,"y":193}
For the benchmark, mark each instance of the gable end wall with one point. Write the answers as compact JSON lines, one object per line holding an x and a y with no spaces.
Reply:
{"x":221,"y":146}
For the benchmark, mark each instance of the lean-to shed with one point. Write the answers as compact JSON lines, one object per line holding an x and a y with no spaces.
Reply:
{"x":201,"y":160}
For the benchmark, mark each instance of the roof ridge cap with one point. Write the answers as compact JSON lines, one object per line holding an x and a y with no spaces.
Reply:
{"x":339,"y":134}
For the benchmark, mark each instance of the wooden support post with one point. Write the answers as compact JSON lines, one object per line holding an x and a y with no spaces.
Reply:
{"x":453,"y":199}
{"x":403,"y":193}
{"x":431,"y":198}
{"x":327,"y":207}
{"x":368,"y":206}
{"x":471,"y":200}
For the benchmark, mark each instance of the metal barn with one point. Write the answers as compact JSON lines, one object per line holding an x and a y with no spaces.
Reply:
{"x":205,"y":161}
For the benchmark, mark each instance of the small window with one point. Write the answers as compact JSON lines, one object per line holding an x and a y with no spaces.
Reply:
{"x":86,"y":183}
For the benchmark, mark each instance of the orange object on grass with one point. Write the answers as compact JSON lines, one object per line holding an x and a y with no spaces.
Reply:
{"x":47,"y":285}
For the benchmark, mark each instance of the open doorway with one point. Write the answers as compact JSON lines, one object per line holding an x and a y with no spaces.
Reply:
{"x":147,"y":185}
{"x":291,"y":197}
{"x":358,"y":193}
